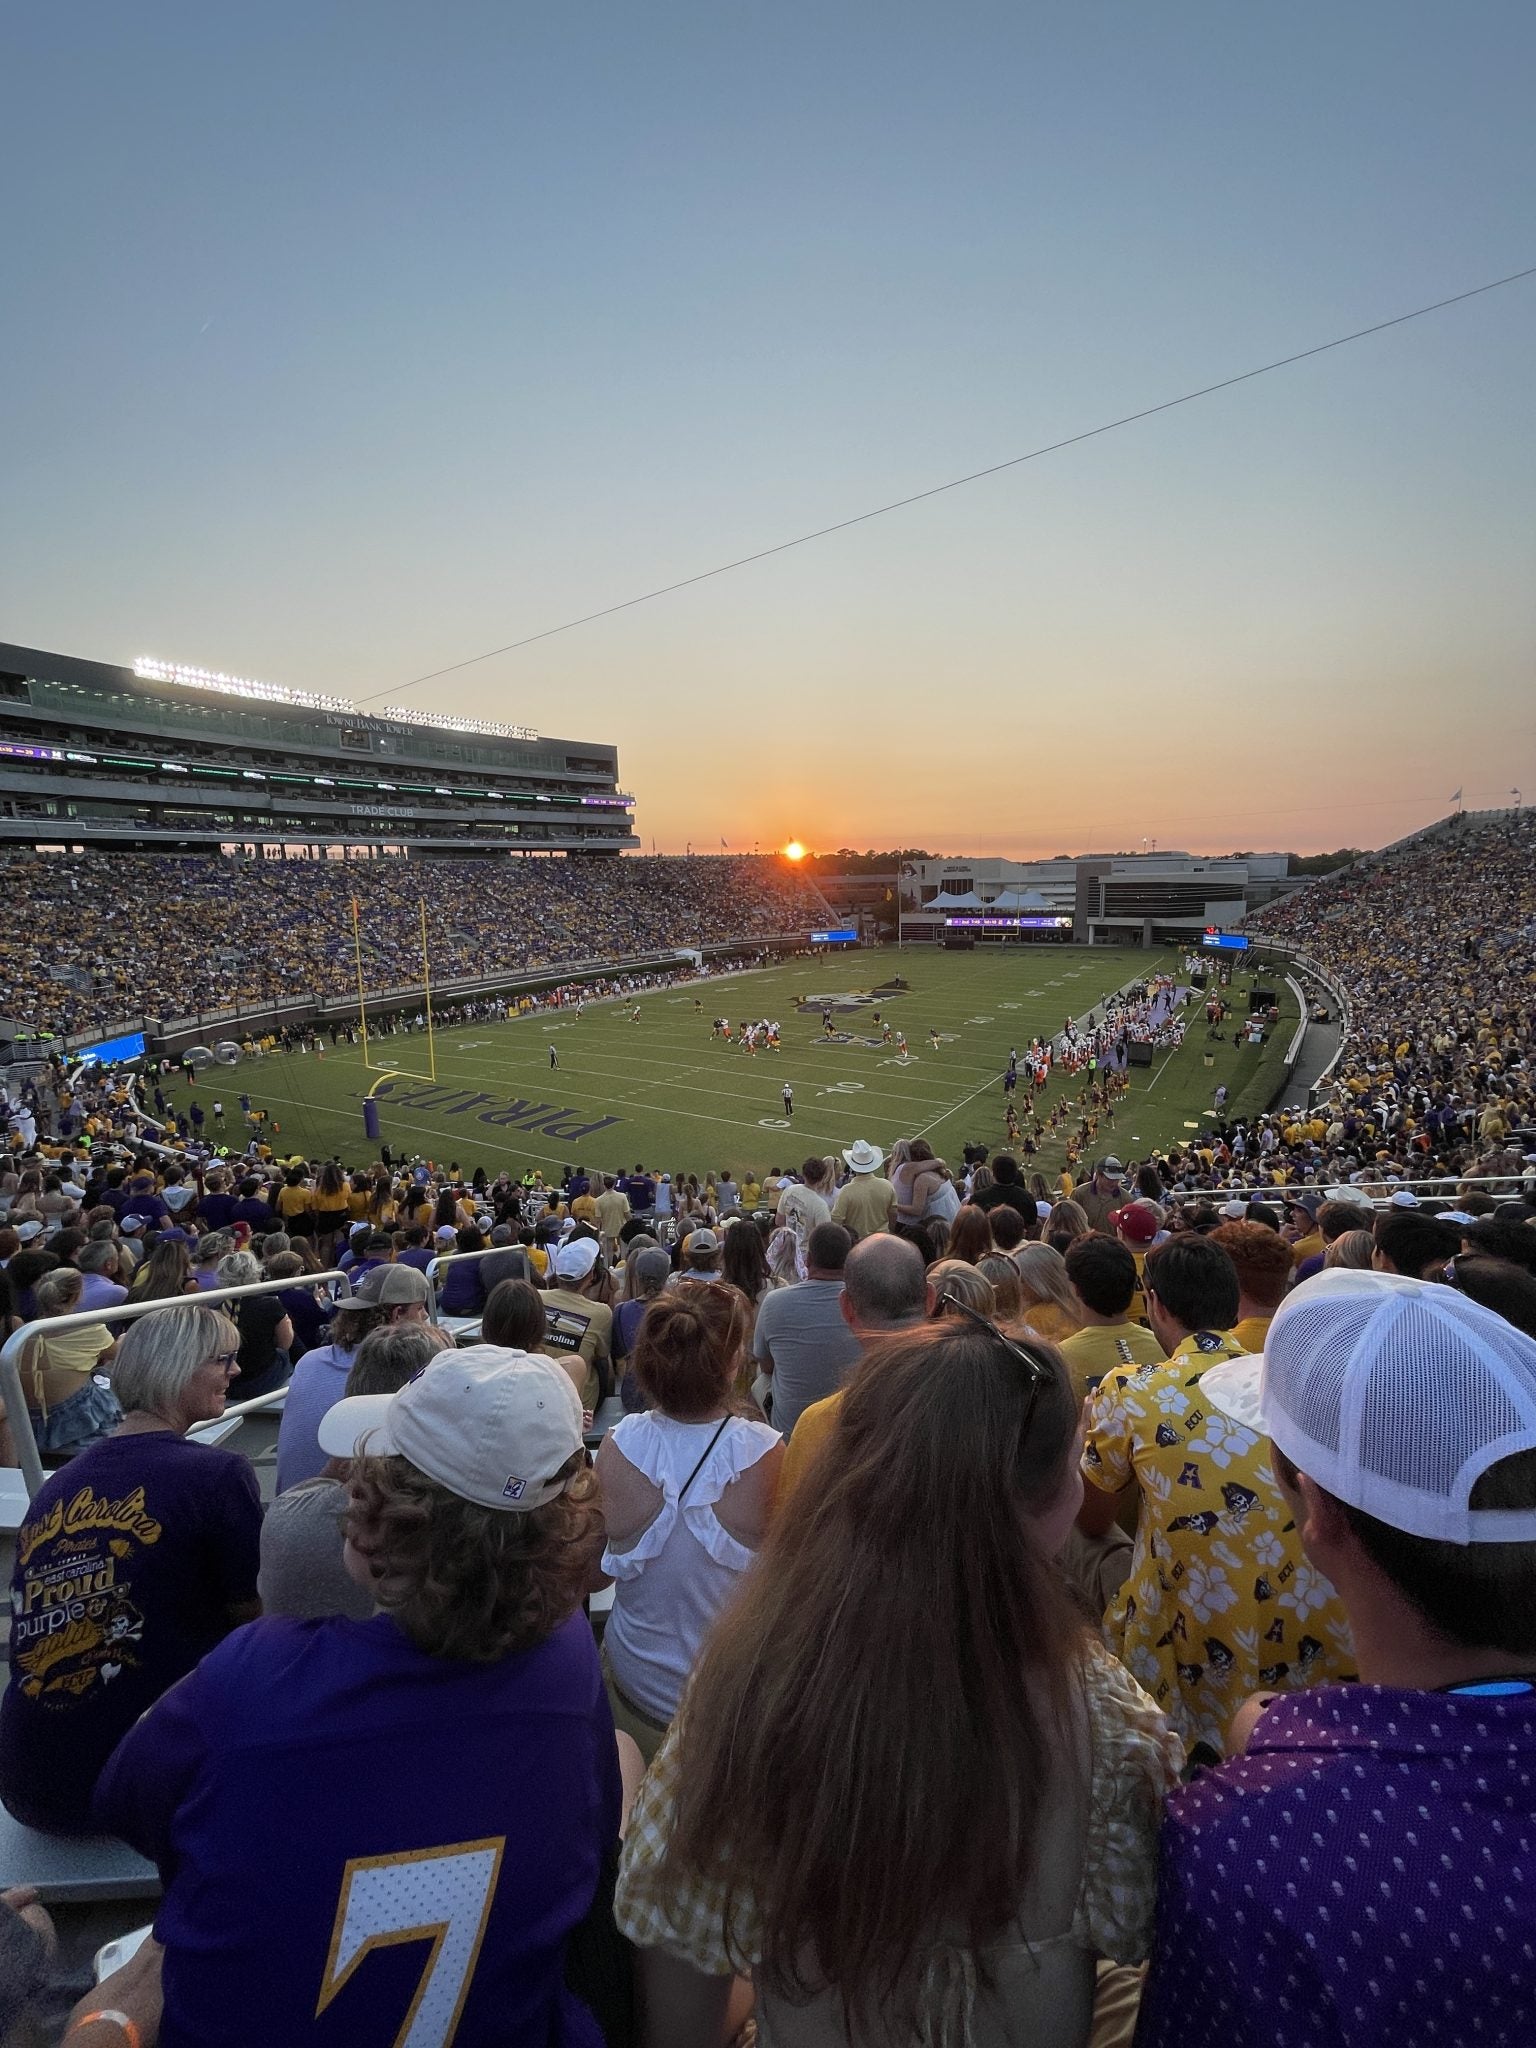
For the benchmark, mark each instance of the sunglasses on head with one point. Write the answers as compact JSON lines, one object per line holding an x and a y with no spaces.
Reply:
{"x":1036,"y":1371}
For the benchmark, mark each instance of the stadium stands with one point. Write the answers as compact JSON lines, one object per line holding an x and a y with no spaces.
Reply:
{"x":1435,"y":946}
{"x":1317,"y":1598}
{"x":99,"y":937}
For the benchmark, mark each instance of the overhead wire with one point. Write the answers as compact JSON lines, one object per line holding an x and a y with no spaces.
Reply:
{"x":959,"y":482}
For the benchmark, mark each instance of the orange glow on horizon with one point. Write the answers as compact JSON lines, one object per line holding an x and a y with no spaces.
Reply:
{"x":794,"y":850}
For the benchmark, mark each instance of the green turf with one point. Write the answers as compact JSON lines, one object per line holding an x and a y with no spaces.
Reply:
{"x":663,"y":1091}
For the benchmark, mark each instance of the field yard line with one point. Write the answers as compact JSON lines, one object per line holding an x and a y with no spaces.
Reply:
{"x":790,"y":1061}
{"x":471,"y":1068}
{"x":1160,"y":1072}
{"x":944,"y":1115}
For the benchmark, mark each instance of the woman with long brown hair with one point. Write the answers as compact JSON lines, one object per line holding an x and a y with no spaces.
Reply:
{"x":908,"y":1788}
{"x":330,"y":1209}
{"x":166,"y":1273}
{"x":970,"y":1235}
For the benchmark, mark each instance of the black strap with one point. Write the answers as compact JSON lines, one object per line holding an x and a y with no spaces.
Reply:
{"x":700,"y":1465}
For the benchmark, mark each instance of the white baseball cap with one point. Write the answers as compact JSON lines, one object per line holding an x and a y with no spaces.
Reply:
{"x":575,"y":1259}
{"x":1396,"y":1395}
{"x":493,"y":1426}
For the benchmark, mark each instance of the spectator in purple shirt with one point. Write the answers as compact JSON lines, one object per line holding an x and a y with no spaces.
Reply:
{"x":418,"y":1252}
{"x":1362,"y":1870}
{"x":133,"y":1561}
{"x":252,"y":1207}
{"x":143,"y":1201}
{"x":216,"y":1205}
{"x":368,"y":1829}
{"x":100,"y":1263}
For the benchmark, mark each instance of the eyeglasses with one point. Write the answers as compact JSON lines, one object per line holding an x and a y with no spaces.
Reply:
{"x":1450,"y":1272}
{"x":226,"y":1360}
{"x":1036,"y":1371}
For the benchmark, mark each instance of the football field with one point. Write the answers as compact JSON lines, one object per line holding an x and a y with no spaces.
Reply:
{"x":664,"y":1091}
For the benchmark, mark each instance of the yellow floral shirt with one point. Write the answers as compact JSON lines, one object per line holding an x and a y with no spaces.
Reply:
{"x":1220,"y":1601}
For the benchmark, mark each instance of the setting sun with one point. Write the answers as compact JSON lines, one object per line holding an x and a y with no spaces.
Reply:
{"x":794,"y":850}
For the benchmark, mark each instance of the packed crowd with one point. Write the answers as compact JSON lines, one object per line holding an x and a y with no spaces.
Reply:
{"x":99,"y":938}
{"x":1435,"y":948}
{"x":994,"y":1611}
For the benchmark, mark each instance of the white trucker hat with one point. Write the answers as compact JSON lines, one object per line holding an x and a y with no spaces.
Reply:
{"x":491,"y":1425}
{"x":1396,"y":1395}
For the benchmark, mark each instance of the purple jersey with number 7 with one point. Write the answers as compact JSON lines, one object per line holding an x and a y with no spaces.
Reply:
{"x":363,"y":1843}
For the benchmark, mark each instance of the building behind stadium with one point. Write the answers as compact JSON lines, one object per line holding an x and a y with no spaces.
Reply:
{"x":158,"y":758}
{"x":1090,"y":899}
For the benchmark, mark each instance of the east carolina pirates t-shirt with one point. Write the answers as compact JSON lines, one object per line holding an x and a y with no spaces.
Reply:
{"x":574,"y":1324}
{"x":127,"y":1566}
{"x":357,"y":1839}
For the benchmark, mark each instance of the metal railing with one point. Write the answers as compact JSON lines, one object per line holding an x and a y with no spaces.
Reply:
{"x":19,"y":1416}
{"x":1437,"y":1187}
{"x":1299,"y":992}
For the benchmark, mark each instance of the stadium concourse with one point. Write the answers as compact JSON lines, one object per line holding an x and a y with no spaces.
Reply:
{"x":996,"y":1609}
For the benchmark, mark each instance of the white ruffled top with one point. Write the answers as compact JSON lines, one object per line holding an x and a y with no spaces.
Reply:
{"x":673,"y":1580}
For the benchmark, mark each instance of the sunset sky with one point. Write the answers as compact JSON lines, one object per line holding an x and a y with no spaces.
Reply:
{"x":347,"y":341}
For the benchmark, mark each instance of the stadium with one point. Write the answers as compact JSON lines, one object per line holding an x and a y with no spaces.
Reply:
{"x":456,"y":1046}
{"x":768,"y":1029}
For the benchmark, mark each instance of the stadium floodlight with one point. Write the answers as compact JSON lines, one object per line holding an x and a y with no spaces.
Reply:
{"x":386,"y":785}
{"x":156,"y":671}
{"x":325,"y":782}
{"x":173,"y":767}
{"x":152,"y":669}
{"x":448,"y":721}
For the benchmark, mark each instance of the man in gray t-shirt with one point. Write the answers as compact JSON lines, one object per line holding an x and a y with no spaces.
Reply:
{"x":301,"y":1544}
{"x":802,"y":1340}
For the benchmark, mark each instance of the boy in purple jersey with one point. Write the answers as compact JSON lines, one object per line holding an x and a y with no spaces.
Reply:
{"x":376,"y":1830}
{"x":1362,"y":1872}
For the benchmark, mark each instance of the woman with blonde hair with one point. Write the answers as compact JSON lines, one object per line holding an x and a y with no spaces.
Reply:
{"x":1051,"y":1307}
{"x":1354,"y":1248}
{"x":1007,"y":1292}
{"x":957,"y":1280}
{"x":1067,"y":1220}
{"x":63,"y":1374}
{"x":168,"y":1551}
{"x":889,"y":1793}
